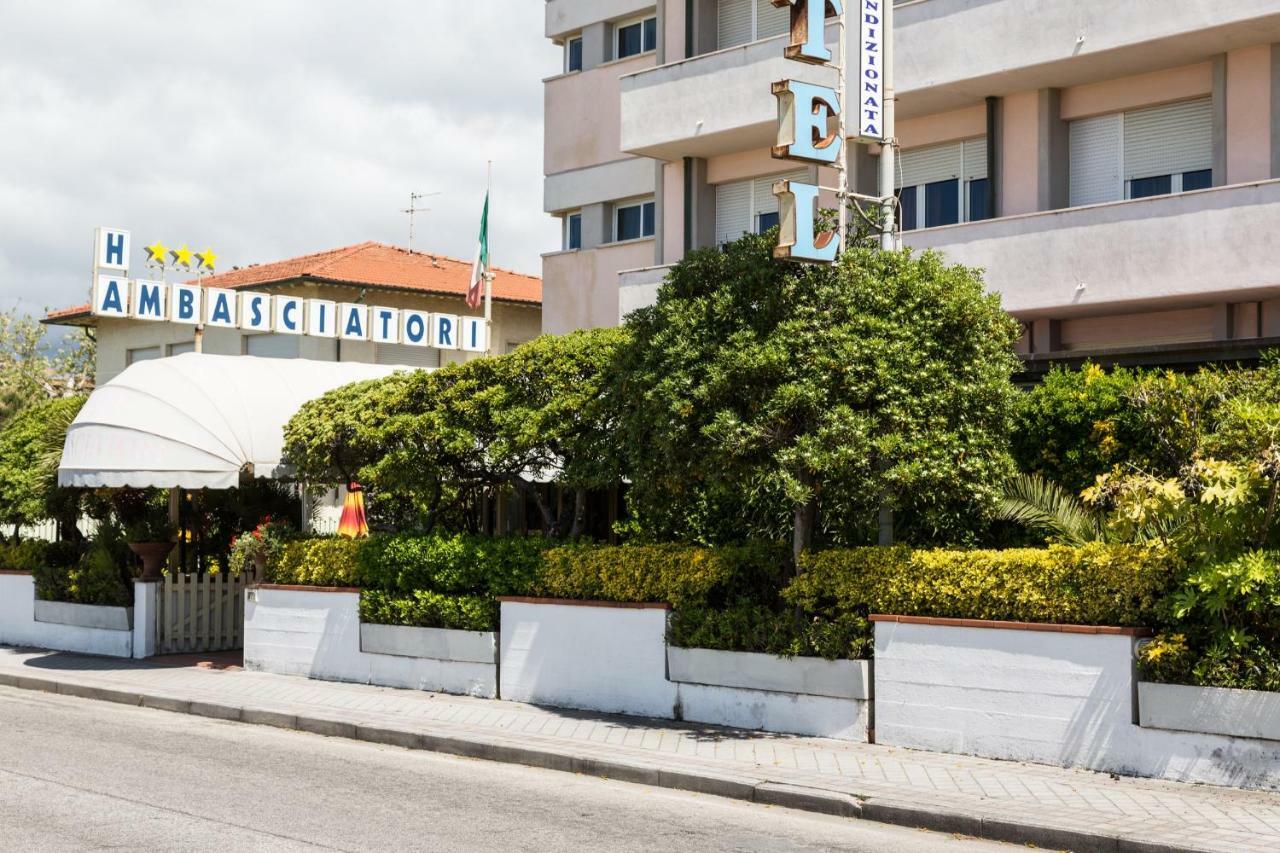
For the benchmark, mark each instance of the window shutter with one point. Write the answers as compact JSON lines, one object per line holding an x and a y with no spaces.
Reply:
{"x":927,"y":165}
{"x":733,"y":211}
{"x":771,"y":20}
{"x":765,"y":200}
{"x":1095,"y":160}
{"x":733,"y":22}
{"x":405,"y":355}
{"x":1168,"y":140}
{"x":271,"y":346}
{"x":975,"y":159}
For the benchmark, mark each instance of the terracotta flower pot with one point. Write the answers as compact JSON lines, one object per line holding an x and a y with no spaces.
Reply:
{"x":153,"y":555}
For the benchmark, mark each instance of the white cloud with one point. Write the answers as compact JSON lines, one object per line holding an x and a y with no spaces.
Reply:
{"x":265,"y":130}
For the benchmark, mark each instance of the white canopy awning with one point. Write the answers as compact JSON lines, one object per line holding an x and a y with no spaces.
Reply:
{"x":195,"y":421}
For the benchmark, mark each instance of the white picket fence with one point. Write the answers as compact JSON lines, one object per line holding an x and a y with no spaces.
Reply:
{"x":46,"y":530}
{"x":201,"y":613}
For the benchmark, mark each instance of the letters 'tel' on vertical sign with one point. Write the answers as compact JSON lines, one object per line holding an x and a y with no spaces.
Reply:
{"x":804,"y":115}
{"x":808,"y":28}
{"x":797,"y":209}
{"x":111,"y":249}
{"x":869,"y":87}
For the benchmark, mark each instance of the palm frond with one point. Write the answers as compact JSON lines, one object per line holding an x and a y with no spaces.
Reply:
{"x":1037,"y":503}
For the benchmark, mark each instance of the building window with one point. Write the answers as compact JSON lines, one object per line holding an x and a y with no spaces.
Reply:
{"x":406,"y":355}
{"x":272,"y":346}
{"x":743,"y":21}
{"x":1142,"y":153}
{"x":636,"y":37}
{"x":943,"y":185}
{"x":633,"y":221}
{"x":573,"y":54}
{"x":749,"y":206}
{"x":573,"y":231}
{"x":184,"y":347}
{"x":134,"y":356}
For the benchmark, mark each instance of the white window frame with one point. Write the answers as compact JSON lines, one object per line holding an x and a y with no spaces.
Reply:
{"x":964,"y":197}
{"x":567,"y":217}
{"x":618,"y":207}
{"x":567,"y":49}
{"x":631,"y":22}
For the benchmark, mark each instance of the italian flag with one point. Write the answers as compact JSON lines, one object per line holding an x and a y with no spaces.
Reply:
{"x":481,"y":267}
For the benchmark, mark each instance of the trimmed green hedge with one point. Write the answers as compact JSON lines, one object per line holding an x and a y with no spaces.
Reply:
{"x":425,"y":609}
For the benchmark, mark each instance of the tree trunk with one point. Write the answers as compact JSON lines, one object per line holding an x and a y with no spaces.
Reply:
{"x":806,"y":515}
{"x":579,"y":513}
{"x":544,"y":508}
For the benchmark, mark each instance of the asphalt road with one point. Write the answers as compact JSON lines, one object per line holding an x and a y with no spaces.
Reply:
{"x":83,"y":775}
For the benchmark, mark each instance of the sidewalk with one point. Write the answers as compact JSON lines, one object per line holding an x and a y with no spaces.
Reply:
{"x":1047,"y":806}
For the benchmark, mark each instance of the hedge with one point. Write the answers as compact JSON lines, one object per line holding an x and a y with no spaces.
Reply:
{"x":425,"y":609}
{"x":1095,"y":584}
{"x":316,"y":562}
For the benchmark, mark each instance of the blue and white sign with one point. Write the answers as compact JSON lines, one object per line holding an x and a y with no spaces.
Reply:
{"x":111,"y":249}
{"x":415,"y":328}
{"x":444,"y":331}
{"x":289,"y":317}
{"x":385,"y":325}
{"x":111,"y":296}
{"x":869,"y":86}
{"x":473,"y":337}
{"x":149,"y":300}
{"x":255,"y":312}
{"x":353,"y":322}
{"x":220,"y":307}
{"x":322,"y":318}
{"x":184,"y":304}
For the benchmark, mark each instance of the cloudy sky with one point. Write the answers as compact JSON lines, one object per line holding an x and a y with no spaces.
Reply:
{"x":264,"y":129}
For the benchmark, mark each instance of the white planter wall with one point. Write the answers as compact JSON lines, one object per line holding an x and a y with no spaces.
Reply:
{"x":1053,"y":697}
{"x":589,"y":655}
{"x":19,"y":627}
{"x":804,"y":696}
{"x":316,"y":634}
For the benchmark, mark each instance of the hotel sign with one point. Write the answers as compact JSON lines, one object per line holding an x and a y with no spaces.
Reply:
{"x":870,"y":85}
{"x":117,"y":295}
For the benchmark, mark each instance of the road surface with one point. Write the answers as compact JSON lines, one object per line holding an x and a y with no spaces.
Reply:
{"x":79,"y":775}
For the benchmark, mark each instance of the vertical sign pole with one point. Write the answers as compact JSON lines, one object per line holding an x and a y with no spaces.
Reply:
{"x":888,"y":241}
{"x":842,"y":89}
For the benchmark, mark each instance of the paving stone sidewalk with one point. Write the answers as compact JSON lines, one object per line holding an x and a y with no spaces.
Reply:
{"x":1048,"y":806}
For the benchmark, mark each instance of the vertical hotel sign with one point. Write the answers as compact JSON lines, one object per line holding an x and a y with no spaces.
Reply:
{"x":811,"y":119}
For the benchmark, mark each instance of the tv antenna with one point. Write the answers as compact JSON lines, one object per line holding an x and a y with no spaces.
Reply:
{"x":413,"y":208}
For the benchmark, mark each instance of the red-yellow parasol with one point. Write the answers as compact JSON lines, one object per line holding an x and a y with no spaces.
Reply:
{"x":353,"y":524}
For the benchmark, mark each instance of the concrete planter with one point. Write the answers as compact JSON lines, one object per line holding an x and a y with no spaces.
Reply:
{"x":1210,"y":710}
{"x":434,"y":643}
{"x":84,"y":615}
{"x":597,"y":656}
{"x":316,"y":633}
{"x":806,"y":696}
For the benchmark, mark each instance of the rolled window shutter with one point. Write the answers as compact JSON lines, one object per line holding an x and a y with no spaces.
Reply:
{"x":975,"y":158}
{"x":272,"y":346}
{"x":733,"y":22}
{"x":733,"y":211}
{"x":1168,"y":140}
{"x":927,"y":165}
{"x":1095,"y":160}
{"x":765,"y":200}
{"x":408,"y":356}
{"x":771,"y":20}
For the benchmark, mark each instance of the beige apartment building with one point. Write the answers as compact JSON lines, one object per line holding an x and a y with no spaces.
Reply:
{"x":1112,"y":166}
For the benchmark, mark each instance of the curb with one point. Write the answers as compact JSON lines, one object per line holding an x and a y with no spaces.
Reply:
{"x":745,"y":788}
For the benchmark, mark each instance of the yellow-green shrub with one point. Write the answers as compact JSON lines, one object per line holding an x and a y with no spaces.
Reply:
{"x":1095,"y":584}
{"x":677,"y":574}
{"x":316,"y":562}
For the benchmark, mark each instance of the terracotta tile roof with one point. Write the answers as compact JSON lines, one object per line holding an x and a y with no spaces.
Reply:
{"x":380,"y":265}
{"x":367,"y":264}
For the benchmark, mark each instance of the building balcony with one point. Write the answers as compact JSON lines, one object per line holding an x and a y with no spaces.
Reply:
{"x":580,"y":287}
{"x":1155,"y":254}
{"x":950,"y":54}
{"x":638,"y":288}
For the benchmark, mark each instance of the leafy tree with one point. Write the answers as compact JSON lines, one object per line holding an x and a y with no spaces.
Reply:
{"x":815,"y":394}
{"x":23,"y":368}
{"x":30,"y":449}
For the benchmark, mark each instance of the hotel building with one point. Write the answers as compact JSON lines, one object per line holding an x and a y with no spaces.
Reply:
{"x":1112,"y":166}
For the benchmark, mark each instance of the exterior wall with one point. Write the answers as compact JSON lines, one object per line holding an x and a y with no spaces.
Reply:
{"x":19,"y":627}
{"x":619,"y":179}
{"x":593,"y":657}
{"x":512,"y":323}
{"x":567,"y":16}
{"x":582,"y":115}
{"x":316,"y":634}
{"x":1067,"y":699}
{"x":1141,"y":90}
{"x":1248,"y":91}
{"x":580,"y":288}
{"x":943,"y":127}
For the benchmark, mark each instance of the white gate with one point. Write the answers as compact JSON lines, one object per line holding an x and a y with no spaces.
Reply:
{"x":201,"y":613}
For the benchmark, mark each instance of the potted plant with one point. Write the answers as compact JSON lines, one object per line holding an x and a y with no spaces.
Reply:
{"x":151,"y":538}
{"x":259,"y":546}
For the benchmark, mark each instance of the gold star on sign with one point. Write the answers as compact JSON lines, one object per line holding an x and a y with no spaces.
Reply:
{"x":156,"y":254}
{"x":181,"y":257}
{"x":207,"y":259}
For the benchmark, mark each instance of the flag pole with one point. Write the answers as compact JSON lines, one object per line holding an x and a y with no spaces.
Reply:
{"x":488,"y":278}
